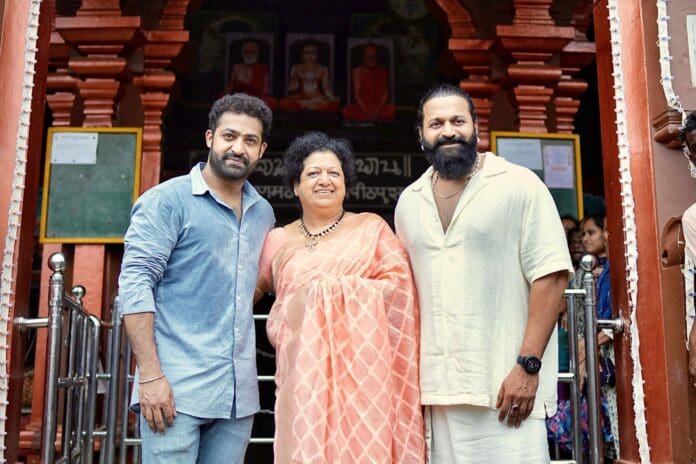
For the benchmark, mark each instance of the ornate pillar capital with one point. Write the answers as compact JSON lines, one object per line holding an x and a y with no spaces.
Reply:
{"x":574,"y":56}
{"x":530,"y":42}
{"x":160,"y":48}
{"x":103,"y":38}
{"x":60,"y":85}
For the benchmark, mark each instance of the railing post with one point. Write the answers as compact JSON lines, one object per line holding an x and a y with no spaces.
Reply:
{"x":92,"y":347}
{"x":57,"y":264}
{"x":588,"y":263}
{"x":574,"y":368}
{"x":109,"y":445}
{"x":71,"y":375}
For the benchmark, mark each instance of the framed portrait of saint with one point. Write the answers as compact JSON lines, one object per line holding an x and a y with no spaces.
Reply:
{"x":309,"y":73}
{"x":249,"y":65}
{"x":370,"y":84}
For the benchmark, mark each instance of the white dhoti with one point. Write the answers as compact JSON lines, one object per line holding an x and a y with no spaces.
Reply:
{"x":463,"y":434}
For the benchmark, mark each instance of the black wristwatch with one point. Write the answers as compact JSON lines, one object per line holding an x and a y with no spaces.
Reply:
{"x":531,"y":364}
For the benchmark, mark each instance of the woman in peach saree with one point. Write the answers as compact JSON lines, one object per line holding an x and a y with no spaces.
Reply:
{"x":344,"y":323}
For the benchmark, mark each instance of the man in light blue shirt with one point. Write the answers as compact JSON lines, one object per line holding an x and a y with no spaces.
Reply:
{"x":186,"y":292}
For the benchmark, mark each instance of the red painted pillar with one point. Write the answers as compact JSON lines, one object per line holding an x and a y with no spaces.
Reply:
{"x":13,"y":32}
{"x":658,"y":185}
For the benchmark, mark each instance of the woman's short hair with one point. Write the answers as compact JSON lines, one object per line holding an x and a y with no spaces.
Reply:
{"x":305,"y":145}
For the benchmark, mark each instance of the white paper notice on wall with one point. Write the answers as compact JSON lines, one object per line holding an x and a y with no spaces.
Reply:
{"x":74,"y":148}
{"x":558,"y":166}
{"x":691,"y":34}
{"x":522,"y":151}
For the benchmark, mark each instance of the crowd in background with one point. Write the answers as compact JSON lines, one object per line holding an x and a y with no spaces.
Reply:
{"x":588,"y":236}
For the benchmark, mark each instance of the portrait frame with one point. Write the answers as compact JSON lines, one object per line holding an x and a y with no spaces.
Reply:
{"x":233,"y":55}
{"x":385,"y":57}
{"x":295,"y":42}
{"x":416,"y":50}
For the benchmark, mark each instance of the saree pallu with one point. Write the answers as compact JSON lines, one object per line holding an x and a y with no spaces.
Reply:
{"x":345,"y":329}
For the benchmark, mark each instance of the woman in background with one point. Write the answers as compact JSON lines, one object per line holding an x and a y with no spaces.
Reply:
{"x":595,"y":240}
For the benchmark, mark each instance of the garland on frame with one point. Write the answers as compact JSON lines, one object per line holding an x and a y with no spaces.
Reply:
{"x":15,"y":211}
{"x":629,"y":227}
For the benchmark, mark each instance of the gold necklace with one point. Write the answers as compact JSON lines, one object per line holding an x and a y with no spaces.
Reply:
{"x":476,"y":169}
{"x":313,"y":239}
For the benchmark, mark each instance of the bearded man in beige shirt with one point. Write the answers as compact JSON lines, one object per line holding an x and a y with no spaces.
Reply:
{"x":491,"y":263}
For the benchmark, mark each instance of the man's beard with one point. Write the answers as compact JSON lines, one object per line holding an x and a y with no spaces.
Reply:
{"x":227,"y":172}
{"x":452,"y":162}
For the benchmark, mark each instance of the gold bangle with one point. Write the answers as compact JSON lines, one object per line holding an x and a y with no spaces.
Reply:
{"x":141,"y":382}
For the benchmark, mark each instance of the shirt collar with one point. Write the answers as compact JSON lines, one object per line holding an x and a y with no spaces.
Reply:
{"x":200,"y":187}
{"x":493,"y":165}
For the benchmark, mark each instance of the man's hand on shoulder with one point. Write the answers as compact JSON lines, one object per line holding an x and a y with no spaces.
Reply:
{"x":157,"y":404}
{"x":516,"y":396}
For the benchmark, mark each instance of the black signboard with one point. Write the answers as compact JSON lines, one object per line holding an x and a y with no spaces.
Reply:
{"x":381,"y":177}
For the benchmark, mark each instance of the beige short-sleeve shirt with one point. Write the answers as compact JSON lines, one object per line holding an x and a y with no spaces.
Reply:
{"x":473,"y":281}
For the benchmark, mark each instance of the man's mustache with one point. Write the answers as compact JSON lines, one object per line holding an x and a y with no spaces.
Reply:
{"x":233,"y":155}
{"x":449,"y":141}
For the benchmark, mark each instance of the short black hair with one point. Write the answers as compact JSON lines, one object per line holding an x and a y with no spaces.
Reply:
{"x":241,"y":103}
{"x":573,"y":231}
{"x":688,"y":127}
{"x":444,"y":90}
{"x":305,"y":145}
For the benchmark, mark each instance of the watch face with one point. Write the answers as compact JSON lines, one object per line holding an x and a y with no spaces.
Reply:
{"x":532,"y":365}
{"x":409,"y":9}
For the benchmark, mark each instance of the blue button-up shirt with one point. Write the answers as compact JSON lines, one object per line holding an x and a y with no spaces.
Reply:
{"x":191,"y":261}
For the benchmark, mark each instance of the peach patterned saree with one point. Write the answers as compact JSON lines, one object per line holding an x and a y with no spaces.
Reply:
{"x":345,"y":329}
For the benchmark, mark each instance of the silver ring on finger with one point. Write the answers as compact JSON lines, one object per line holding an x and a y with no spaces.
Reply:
{"x":514,"y":408}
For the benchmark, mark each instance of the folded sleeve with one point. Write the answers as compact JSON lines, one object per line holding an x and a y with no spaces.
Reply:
{"x":149,"y":241}
{"x":544,"y":249}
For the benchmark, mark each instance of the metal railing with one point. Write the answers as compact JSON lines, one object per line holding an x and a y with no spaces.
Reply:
{"x":592,"y":324}
{"x":75,"y":333}
{"x":587,"y":294}
{"x":72,"y":366}
{"x":572,"y":377}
